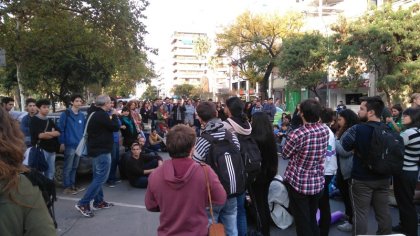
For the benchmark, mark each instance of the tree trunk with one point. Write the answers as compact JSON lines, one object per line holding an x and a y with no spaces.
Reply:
{"x":264,"y":83}
{"x":20,"y":86}
{"x":388,"y":98}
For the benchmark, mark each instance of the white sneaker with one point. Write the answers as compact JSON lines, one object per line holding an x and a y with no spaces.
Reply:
{"x":346,"y":227}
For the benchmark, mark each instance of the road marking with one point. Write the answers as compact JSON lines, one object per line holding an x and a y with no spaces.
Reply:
{"x":115,"y":203}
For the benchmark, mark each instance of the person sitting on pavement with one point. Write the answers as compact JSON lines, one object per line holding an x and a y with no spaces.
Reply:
{"x":139,"y":166}
{"x":156,"y":142}
{"x":178,"y":189}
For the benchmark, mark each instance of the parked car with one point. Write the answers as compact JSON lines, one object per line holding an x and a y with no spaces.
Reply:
{"x":85,"y":163}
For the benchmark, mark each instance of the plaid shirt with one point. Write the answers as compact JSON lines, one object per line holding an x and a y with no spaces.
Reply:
{"x":306,"y":147}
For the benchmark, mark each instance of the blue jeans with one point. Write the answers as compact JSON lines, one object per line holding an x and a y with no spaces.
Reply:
{"x":100,"y":166}
{"x":115,"y":157}
{"x":71,"y":162}
{"x":226,"y":214}
{"x":241,"y":216}
{"x":50,"y":158}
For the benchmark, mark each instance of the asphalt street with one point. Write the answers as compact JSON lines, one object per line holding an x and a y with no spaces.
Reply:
{"x":130,"y":217}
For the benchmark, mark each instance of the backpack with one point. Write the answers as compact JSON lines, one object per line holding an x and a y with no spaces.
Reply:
{"x":47,"y":188}
{"x":251,"y":156}
{"x":386,"y":152}
{"x":225,"y":159}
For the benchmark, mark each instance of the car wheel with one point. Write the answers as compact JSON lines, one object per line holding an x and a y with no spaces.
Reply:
{"x":58,"y":177}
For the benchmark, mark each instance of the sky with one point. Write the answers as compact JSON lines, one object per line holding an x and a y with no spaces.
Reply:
{"x":207,"y":16}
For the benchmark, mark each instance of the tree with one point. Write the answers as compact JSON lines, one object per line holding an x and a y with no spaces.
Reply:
{"x":150,"y":93}
{"x":60,"y":47}
{"x":254,"y":42}
{"x":385,"y":43}
{"x":183,"y":90}
{"x":303,"y":61}
{"x":202,"y":46}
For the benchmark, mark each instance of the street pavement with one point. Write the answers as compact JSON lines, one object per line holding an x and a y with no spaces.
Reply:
{"x":130,"y":217}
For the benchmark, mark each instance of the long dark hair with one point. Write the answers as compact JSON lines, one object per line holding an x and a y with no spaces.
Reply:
{"x":11,"y":152}
{"x":414,"y":114}
{"x":262,"y":132}
{"x":351,"y":119}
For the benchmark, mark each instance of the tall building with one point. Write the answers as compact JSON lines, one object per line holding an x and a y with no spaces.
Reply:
{"x":188,"y":67}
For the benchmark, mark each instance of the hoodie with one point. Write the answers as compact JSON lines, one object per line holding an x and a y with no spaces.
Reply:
{"x":178,"y":190}
{"x":72,"y":127}
{"x":236,"y":125}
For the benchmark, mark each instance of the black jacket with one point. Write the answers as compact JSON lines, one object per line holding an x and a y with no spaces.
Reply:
{"x":100,"y":129}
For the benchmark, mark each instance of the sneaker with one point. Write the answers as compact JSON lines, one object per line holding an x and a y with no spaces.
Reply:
{"x":118,"y":181}
{"x":111,"y":184}
{"x":70,"y":191}
{"x":346,"y":227}
{"x":85,"y":210}
{"x":102,"y":205}
{"x":78,"y":189}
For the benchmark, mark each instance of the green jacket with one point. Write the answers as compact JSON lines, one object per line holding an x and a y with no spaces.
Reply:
{"x":29,"y":216}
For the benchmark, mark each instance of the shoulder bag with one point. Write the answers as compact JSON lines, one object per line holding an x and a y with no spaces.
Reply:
{"x":215,"y":229}
{"x":81,"y":149}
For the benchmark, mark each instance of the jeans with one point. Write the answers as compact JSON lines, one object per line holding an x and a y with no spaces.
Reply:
{"x":226,"y":214}
{"x":324,"y":208}
{"x":115,"y":157}
{"x":404,"y":188}
{"x":304,"y":208}
{"x":100,"y":165}
{"x":71,"y":162}
{"x":241,"y":215}
{"x":50,"y":158}
{"x":366,"y":193}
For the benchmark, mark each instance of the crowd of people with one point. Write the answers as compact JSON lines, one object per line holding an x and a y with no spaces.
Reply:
{"x":204,"y":140}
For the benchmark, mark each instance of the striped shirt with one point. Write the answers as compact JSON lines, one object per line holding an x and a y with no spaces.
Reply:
{"x":202,"y":145}
{"x":411,"y":139}
{"x":306,"y":147}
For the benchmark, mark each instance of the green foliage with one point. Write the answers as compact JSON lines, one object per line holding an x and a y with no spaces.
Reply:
{"x":386,"y":43}
{"x":202,"y":46}
{"x":66,"y":46}
{"x":254,"y":42}
{"x":150,"y":93}
{"x":303,"y":61}
{"x":183,"y":90}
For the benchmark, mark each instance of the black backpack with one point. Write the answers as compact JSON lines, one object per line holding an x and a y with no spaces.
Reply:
{"x":47,"y":188}
{"x":225,"y":159}
{"x":386,"y":152}
{"x":251,"y":156}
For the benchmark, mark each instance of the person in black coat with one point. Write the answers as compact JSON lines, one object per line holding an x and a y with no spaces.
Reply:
{"x":262,"y":133}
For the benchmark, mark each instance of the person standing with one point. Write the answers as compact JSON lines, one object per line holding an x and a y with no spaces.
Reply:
{"x":346,"y":119}
{"x":405,"y":183}
{"x":263,"y":134}
{"x":8,"y":103}
{"x":178,"y":188}
{"x":270,"y":109}
{"x":415,"y":100}
{"x":22,"y":207}
{"x":46,"y":133}
{"x":189,"y":113}
{"x":367,"y":188}
{"x":99,"y":145}
{"x":306,"y":147}
{"x":72,"y":124}
{"x":115,"y":154}
{"x":26,"y":120}
{"x":341,"y":107}
{"x":207,"y":115}
{"x":178,"y":113}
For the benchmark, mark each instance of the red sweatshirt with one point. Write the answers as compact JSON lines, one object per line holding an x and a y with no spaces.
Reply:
{"x":178,"y":190}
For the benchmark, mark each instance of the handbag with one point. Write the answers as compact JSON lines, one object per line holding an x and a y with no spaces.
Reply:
{"x":36,"y":156}
{"x":81,"y":149}
{"x":215,"y":229}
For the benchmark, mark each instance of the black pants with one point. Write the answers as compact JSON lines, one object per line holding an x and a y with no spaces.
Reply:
{"x":259,"y":194}
{"x":404,"y":187}
{"x":343,"y":185}
{"x":142,"y":181}
{"x":324,"y":208}
{"x":304,"y":208}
